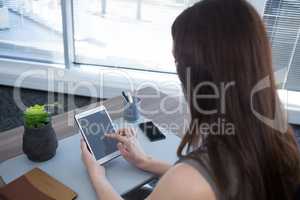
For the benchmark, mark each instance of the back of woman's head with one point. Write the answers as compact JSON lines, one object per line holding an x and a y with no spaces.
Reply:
{"x":224,"y":62}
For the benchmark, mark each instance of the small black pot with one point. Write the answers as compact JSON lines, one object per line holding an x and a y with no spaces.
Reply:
{"x":40,"y":144}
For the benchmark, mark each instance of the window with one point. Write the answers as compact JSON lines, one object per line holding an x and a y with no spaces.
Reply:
{"x":32,"y":30}
{"x":133,"y":34}
{"x":282,"y":18}
{"x":126,"y":33}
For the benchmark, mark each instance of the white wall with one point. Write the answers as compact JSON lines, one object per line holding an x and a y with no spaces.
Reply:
{"x":259,"y":5}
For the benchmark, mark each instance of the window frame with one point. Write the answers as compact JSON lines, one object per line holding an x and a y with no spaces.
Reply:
{"x":68,"y":32}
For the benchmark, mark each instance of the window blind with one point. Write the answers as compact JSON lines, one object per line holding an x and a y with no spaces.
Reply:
{"x":282,"y":18}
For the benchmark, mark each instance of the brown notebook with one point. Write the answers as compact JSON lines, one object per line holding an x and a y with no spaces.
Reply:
{"x":36,"y":185}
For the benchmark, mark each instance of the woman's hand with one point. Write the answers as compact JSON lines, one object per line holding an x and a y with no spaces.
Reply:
{"x":96,"y":171}
{"x":130,"y":147}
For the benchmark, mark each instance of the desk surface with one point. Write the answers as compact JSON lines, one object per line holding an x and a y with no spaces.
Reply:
{"x":68,"y":168}
{"x":164,"y":110}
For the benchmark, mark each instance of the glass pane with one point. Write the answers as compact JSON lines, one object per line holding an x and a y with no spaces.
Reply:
{"x":126,"y":33}
{"x":293,"y":81}
{"x":31,"y":29}
{"x":282,"y":19}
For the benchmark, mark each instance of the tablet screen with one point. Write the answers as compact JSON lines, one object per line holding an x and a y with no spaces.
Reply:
{"x":94,"y":127}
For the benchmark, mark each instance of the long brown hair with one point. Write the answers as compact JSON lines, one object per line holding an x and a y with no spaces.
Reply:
{"x":225,"y":41}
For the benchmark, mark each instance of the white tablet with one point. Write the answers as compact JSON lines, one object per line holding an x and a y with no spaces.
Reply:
{"x":93,"y":124}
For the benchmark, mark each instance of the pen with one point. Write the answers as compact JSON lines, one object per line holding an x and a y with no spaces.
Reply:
{"x":125,"y":96}
{"x":130,"y":99}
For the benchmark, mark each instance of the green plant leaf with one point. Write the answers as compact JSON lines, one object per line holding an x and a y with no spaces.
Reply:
{"x":36,"y":116}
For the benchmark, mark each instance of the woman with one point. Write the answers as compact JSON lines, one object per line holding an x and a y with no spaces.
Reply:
{"x":220,"y":42}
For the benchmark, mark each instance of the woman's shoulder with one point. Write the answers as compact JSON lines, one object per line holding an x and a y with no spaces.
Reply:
{"x":183,"y":181}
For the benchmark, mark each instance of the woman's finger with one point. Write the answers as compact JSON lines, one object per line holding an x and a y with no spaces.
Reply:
{"x":122,"y":130}
{"x":125,"y":132}
{"x":130,"y":132}
{"x":122,"y":149}
{"x":122,"y":146}
{"x":133,"y":133}
{"x":83,"y":146}
{"x":119,"y":138}
{"x":119,"y":145}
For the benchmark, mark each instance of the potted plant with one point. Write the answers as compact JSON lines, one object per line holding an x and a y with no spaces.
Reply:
{"x":4,"y":16}
{"x":39,"y":139}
